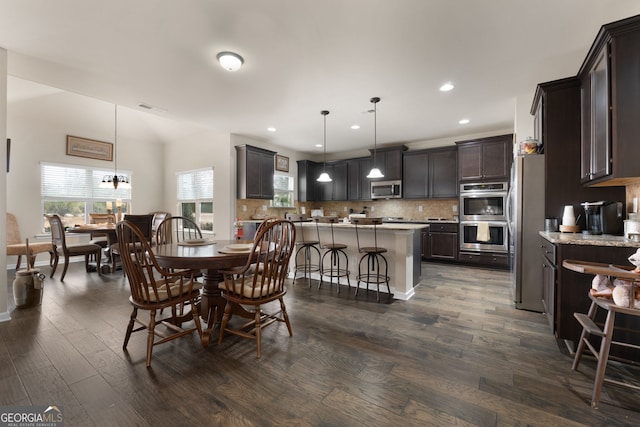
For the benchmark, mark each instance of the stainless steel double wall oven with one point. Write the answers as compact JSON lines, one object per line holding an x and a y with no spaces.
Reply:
{"x":483,"y":217}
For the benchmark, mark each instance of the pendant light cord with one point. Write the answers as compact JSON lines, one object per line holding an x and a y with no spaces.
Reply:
{"x":115,"y":142}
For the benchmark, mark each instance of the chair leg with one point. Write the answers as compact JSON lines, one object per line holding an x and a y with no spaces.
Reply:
{"x":285,"y":316}
{"x":151,"y":327}
{"x":18,"y":262}
{"x":55,"y":264}
{"x":225,"y":320}
{"x":258,"y":329}
{"x":582,"y":343}
{"x":603,"y":358}
{"x":64,"y":270}
{"x":132,"y":322}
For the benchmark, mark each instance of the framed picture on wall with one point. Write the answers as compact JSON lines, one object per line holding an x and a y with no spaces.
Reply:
{"x":282,"y":163}
{"x":90,"y":148}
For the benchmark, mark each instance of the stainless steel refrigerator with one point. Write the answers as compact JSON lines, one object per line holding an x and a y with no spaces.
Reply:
{"x":526,"y":218}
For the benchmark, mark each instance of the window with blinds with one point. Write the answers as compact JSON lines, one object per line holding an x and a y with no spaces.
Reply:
{"x":195,"y":196}
{"x":73,"y":192}
{"x":282,"y":191}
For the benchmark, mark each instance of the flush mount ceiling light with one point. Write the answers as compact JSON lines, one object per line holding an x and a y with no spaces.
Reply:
{"x":230,"y":61}
{"x":446,"y":87}
{"x":375,"y":172}
{"x":115,"y":179}
{"x":324,"y":176}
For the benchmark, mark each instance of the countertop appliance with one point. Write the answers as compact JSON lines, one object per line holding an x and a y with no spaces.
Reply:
{"x":386,"y":189}
{"x":525,"y":217}
{"x":603,"y":218}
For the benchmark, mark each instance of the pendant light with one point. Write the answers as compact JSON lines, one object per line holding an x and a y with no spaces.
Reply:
{"x":375,"y":172}
{"x":324,"y":176}
{"x":115,"y":179}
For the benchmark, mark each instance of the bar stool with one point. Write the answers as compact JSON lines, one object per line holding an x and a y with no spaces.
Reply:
{"x":336,"y":254}
{"x":310,"y":252}
{"x":373,"y":257}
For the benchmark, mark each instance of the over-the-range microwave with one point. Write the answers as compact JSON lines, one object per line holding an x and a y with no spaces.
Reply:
{"x":386,"y":189}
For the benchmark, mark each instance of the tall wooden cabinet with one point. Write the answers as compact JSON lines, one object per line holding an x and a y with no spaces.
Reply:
{"x":610,"y":79}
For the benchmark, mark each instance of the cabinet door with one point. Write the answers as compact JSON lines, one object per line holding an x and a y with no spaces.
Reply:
{"x":415,"y":180}
{"x":325,"y":189}
{"x":307,"y":181}
{"x":259,"y":174}
{"x":549,"y":291}
{"x":600,"y":133}
{"x":424,"y":245}
{"x":339,"y":178}
{"x":443,"y":246}
{"x":357,"y":181}
{"x":443,"y":174}
{"x":496,"y":159}
{"x":470,"y":162}
{"x":267,"y":169}
{"x":393,"y":165}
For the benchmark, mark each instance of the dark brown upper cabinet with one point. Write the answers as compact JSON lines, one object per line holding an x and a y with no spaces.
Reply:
{"x":485,"y":159}
{"x":255,"y":172}
{"x":610,"y":106}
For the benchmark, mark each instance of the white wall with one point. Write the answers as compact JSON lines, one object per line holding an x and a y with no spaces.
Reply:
{"x":205,"y":149}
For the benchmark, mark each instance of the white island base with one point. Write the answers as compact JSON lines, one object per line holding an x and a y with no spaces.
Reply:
{"x":402,"y":242}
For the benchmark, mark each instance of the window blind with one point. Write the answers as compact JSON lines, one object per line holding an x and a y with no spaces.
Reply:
{"x":195,"y":185}
{"x":76,"y":182}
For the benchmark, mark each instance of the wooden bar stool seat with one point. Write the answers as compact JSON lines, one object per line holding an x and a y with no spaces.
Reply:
{"x":372,"y":256}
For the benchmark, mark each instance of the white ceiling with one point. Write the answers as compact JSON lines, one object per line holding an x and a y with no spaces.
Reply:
{"x":304,"y":56}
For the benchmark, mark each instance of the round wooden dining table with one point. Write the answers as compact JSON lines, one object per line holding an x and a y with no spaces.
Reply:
{"x":210,"y":258}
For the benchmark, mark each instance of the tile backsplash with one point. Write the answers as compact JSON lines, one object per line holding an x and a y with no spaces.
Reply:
{"x":408,"y":209}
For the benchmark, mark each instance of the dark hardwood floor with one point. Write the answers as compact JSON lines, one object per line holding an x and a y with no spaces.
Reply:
{"x":457,"y":353}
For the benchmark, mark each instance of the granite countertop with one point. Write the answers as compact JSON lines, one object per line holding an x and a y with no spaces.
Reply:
{"x":381,"y":227}
{"x":589,"y":240}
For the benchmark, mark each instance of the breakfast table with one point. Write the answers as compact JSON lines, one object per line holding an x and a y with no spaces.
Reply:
{"x":210,"y":257}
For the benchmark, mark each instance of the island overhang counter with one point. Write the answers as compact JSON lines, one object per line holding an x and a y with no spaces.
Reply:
{"x":402,"y":241}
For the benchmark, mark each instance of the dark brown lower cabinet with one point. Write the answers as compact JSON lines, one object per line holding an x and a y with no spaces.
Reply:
{"x":571,"y":295}
{"x":440,"y":242}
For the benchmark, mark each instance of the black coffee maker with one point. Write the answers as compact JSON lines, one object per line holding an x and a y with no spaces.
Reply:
{"x":603,"y":218}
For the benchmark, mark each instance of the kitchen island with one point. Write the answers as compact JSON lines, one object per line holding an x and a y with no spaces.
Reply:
{"x":402,"y":241}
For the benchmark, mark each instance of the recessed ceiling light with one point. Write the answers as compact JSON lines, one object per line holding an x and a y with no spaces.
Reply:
{"x":446,"y":87}
{"x":230,"y":61}
{"x":271,"y":129}
{"x":355,"y":127}
{"x":463,"y":121}
{"x":318,"y":145}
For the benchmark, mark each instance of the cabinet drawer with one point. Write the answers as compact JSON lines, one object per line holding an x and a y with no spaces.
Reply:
{"x":443,"y":228}
{"x":487,"y":259}
{"x":548,"y":250}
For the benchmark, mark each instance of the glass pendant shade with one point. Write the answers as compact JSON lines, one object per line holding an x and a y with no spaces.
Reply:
{"x":324,"y":176}
{"x":375,"y":172}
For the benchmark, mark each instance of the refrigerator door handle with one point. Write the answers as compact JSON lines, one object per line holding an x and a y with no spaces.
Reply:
{"x":509,"y":212}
